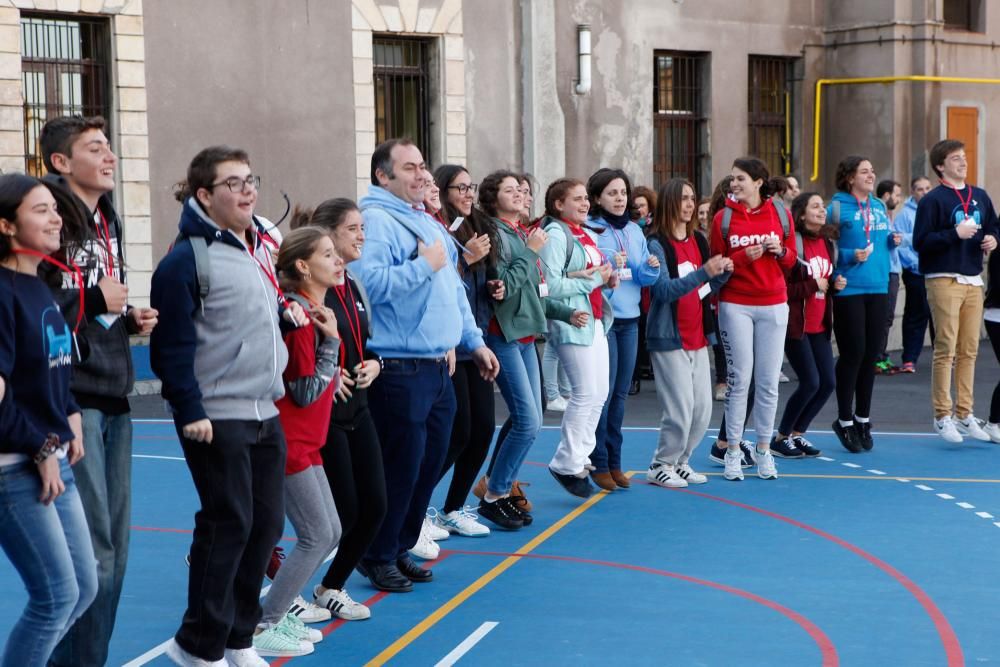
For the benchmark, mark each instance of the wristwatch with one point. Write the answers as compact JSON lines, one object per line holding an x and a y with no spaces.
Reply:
{"x":49,"y":447}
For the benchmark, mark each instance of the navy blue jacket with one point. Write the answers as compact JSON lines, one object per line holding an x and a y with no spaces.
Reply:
{"x":934,"y":236}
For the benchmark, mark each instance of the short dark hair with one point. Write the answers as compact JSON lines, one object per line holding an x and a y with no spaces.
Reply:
{"x":13,"y":189}
{"x":599,"y":181}
{"x":329,"y":215}
{"x":846,"y":169}
{"x":885,"y":186}
{"x":915,"y":179}
{"x":59,"y":134}
{"x":940,"y":152}
{"x":201,"y":172}
{"x":382,"y":157}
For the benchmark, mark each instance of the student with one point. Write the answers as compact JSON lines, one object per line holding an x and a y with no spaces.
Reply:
{"x":352,"y":456}
{"x":622,"y":241}
{"x":792,"y":189}
{"x":643,"y":205}
{"x":916,"y":312}
{"x":858,"y":309}
{"x":219,"y":357}
{"x":79,"y":159}
{"x":704,"y":219}
{"x":753,"y":308}
{"x":308,"y":266}
{"x":575,"y":272}
{"x":419,"y":313}
{"x":890,"y":193}
{"x":991,"y":317}
{"x":955,"y":224}
{"x":810,"y":325}
{"x":680,"y":329}
{"x":43,"y":530}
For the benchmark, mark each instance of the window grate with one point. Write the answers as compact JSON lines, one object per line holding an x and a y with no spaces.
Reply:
{"x":64,"y":70}
{"x":402,"y":77}
{"x":679,"y":120}
{"x":769,"y":95}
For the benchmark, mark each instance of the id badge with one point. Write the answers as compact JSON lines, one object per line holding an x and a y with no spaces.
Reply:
{"x":869,"y":248}
{"x":625,"y":274}
{"x":543,"y":290}
{"x":820,"y":295}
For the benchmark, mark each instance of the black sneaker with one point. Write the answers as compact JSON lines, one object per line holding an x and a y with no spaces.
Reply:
{"x":718,"y":454}
{"x":525,"y":516}
{"x":785,"y":449}
{"x":502,"y":513}
{"x":805,"y":447}
{"x":848,"y":436}
{"x":865,"y":435}
{"x":578,"y":486}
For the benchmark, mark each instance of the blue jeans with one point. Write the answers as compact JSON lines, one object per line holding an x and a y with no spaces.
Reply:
{"x":623,"y":345}
{"x":520,"y":387}
{"x":104,"y":480}
{"x":49,"y":546}
{"x":413,"y":406}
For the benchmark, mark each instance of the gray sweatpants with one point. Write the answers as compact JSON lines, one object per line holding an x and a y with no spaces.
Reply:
{"x":684,"y":387}
{"x":754,"y":340}
{"x":310,"y":507}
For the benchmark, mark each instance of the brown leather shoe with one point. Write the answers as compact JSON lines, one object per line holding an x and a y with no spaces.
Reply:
{"x":604,"y":480}
{"x":479,"y":490}
{"x":620,"y":479}
{"x":517,"y":496}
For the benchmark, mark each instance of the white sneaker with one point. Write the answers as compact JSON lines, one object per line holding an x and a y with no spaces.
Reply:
{"x":992,"y":430}
{"x":664,"y":476}
{"x":181,"y":657}
{"x":244,"y":657}
{"x":275,"y":641}
{"x":945,"y":427}
{"x":461,"y":522}
{"x":433,"y":531}
{"x":733,"y":461}
{"x":765,"y":465}
{"x":972,"y":427}
{"x":296,"y":628}
{"x":558,"y":404}
{"x":307,"y":612}
{"x":688,"y":474}
{"x":341,"y":605}
{"x":425,"y":548}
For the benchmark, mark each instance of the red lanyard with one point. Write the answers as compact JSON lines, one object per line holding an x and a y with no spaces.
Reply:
{"x":965,"y":202}
{"x":523,"y":235}
{"x":108,"y":249}
{"x":270,"y":274}
{"x":75,"y":271}
{"x":866,"y":215}
{"x":580,"y":236}
{"x":355,"y":324}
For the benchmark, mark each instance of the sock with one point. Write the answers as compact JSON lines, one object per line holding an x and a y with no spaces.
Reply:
{"x":845,"y":424}
{"x":861,"y":420}
{"x":487,"y":499}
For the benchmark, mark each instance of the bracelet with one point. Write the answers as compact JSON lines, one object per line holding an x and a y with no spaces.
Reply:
{"x":49,"y":447}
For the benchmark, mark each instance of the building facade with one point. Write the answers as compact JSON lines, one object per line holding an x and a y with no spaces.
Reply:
{"x":661,"y":88}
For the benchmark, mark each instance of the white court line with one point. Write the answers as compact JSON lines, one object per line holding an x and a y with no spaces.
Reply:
{"x":875,"y":472}
{"x":825,"y":458}
{"x":151,"y":456}
{"x":900,"y":479}
{"x":945,"y":496}
{"x":850,"y":465}
{"x":467,"y":644}
{"x":966,"y":506}
{"x":984,"y":515}
{"x":924,"y":487}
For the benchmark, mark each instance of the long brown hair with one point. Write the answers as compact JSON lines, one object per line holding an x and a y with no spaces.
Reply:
{"x":668,"y":209}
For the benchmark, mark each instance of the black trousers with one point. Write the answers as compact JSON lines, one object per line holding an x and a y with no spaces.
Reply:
{"x":352,"y":460}
{"x":471,"y":435}
{"x":858,"y":323}
{"x":240,"y":479}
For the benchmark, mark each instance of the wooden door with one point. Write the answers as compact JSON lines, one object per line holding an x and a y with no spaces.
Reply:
{"x":963,"y":125}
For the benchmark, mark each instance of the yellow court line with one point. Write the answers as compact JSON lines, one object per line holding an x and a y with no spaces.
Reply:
{"x":423,"y":626}
{"x":878,"y":477}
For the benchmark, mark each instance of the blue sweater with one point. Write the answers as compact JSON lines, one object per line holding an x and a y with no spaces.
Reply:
{"x":416,"y":311}
{"x":36,"y":361}
{"x":625,"y":298}
{"x":934,"y":235}
{"x":872,"y":275}
{"x":903,"y":224}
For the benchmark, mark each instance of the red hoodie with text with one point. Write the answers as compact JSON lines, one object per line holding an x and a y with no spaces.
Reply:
{"x":759,"y":282}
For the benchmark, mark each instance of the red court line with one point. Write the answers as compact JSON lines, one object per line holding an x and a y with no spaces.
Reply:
{"x":952,"y":647}
{"x":826,"y":647}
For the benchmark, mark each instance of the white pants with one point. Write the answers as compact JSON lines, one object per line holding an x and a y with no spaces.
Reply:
{"x":586,"y":367}
{"x":754,"y":340}
{"x":684,"y":387}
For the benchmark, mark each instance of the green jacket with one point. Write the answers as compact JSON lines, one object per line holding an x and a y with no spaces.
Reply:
{"x":522,"y":312}
{"x":571,"y":292}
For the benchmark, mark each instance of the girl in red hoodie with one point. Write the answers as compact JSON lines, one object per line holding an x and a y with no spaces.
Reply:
{"x":753,"y":311}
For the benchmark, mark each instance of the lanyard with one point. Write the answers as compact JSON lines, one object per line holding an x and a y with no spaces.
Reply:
{"x":523,"y":235}
{"x":580,"y":235}
{"x":270,"y":274}
{"x":965,"y":202}
{"x":108,"y":249}
{"x":75,"y":271}
{"x":355,"y":324}
{"x":866,"y":215}
{"x":620,"y":240}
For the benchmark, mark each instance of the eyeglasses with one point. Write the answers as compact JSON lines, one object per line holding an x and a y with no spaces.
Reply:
{"x":239,"y":185}
{"x":464,"y":188}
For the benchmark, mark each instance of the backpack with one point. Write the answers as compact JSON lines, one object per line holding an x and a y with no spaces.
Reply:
{"x":201,"y":265}
{"x":569,"y":242}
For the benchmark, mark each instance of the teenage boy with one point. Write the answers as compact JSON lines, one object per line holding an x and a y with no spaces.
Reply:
{"x":419,"y":313}
{"x":890,"y":193}
{"x":916,"y":312}
{"x":956,"y":223}
{"x":79,"y":159}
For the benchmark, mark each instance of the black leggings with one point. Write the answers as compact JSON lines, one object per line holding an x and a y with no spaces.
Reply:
{"x":471,"y":433}
{"x":858,"y":322}
{"x":993,"y":329}
{"x":353,"y":464}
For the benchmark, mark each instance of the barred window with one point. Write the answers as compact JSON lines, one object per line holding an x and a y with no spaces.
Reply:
{"x":679,"y":120}
{"x":769,"y":108}
{"x":402,"y":83}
